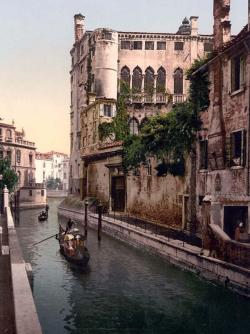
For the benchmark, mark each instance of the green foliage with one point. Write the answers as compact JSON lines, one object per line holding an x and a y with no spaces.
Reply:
{"x":9,"y":177}
{"x":118,"y":129}
{"x":106,"y":130}
{"x":167,"y":137}
{"x":199,"y":85}
{"x":133,"y":152}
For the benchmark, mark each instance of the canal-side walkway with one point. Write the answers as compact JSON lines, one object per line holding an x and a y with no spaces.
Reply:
{"x":177,"y":252}
{"x":7,"y":318}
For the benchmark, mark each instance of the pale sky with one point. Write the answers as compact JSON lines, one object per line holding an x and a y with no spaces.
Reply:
{"x":36,"y":36}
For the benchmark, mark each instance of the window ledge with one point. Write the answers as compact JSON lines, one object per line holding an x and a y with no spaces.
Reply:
{"x":203,"y":170}
{"x":237,"y":167}
{"x":236,"y":92}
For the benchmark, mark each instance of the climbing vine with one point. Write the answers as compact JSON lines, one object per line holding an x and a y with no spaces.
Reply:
{"x":170,"y":136}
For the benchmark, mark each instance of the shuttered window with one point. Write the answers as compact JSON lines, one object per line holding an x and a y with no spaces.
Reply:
{"x":203,"y":154}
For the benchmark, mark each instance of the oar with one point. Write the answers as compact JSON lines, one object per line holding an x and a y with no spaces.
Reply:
{"x":44,"y":239}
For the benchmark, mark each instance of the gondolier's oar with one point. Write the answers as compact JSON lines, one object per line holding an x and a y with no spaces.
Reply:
{"x":44,"y":239}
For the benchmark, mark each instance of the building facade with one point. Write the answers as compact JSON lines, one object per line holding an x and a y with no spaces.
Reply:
{"x":52,"y":165}
{"x":223,"y":162}
{"x":150,"y":69}
{"x":21,"y":153}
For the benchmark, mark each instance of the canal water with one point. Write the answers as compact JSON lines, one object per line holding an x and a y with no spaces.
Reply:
{"x":124,"y":290}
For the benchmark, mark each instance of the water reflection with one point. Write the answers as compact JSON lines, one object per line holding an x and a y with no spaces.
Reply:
{"x":124,"y":289}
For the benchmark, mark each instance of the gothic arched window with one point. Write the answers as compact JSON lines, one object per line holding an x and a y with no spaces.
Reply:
{"x":18,"y":156}
{"x":133,"y":126}
{"x":149,"y":80}
{"x":143,"y":122}
{"x":137,"y":80}
{"x":125,"y":80}
{"x":161,"y":80}
{"x":178,"y":81}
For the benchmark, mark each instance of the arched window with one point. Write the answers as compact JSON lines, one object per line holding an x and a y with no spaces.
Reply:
{"x":125,"y":75}
{"x":125,"y":80}
{"x":149,"y":81}
{"x":133,"y":126}
{"x":178,"y":81}
{"x":8,"y":154}
{"x":137,"y":80}
{"x":18,"y":156}
{"x":143,"y":122}
{"x":161,"y":80}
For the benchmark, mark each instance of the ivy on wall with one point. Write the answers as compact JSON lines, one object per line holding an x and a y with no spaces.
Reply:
{"x":169,"y":136}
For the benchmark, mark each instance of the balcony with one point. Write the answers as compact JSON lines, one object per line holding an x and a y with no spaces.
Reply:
{"x":8,"y":139}
{"x":24,"y":142}
{"x":179,"y":98}
{"x":161,"y":98}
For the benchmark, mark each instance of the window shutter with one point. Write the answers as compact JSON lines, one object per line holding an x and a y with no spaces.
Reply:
{"x":243,"y":148}
{"x":228,"y":149}
{"x":101,"y":110}
{"x":113,"y":110}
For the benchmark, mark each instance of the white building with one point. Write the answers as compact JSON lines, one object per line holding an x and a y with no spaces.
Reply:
{"x":54,"y":165}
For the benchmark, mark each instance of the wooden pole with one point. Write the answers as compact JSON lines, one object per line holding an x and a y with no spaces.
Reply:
{"x":86,"y":220}
{"x":99,"y":221}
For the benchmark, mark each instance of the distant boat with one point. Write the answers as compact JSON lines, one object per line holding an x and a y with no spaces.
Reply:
{"x":43,"y":216}
{"x":72,"y":246}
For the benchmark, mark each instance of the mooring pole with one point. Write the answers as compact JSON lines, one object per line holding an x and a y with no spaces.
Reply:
{"x":99,"y":221}
{"x":86,"y":219}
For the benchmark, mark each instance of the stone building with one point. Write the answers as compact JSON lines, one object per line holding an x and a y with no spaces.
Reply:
{"x":21,"y":153}
{"x":223,"y":161}
{"x":151,"y":67}
{"x":53,"y":165}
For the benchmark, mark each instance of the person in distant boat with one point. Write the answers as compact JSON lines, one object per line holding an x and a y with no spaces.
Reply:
{"x":69,"y":225}
{"x":47,"y":208}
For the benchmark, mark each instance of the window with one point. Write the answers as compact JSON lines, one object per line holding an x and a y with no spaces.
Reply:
{"x":137,"y":80}
{"x":42,"y":192}
{"x":178,"y":46}
{"x":161,"y":45}
{"x":133,"y":126}
{"x":9,"y":155}
{"x":107,"y":35}
{"x":125,"y":80}
{"x":30,"y":192}
{"x":137,"y":45}
{"x":178,"y":81}
{"x":125,"y":45}
{"x":18,"y":156}
{"x":81,"y":69}
{"x":203,"y":154}
{"x":30,"y":159}
{"x":161,"y":80}
{"x":149,"y":81}
{"x":238,"y":144}
{"x":238,"y":65}
{"x":208,"y":47}
{"x":149,"y":45}
{"x":107,"y":110}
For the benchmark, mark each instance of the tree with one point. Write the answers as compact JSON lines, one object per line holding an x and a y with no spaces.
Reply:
{"x":9,"y":176}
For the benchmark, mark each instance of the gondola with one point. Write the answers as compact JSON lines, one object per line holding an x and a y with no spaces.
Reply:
{"x":72,"y":247}
{"x":42,"y":216}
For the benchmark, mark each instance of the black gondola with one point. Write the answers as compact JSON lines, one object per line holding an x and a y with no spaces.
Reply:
{"x":42,"y":216}
{"x":72,"y":246}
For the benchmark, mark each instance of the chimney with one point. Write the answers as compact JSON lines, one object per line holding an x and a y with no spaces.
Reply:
{"x":194,"y":25}
{"x":79,"y":26}
{"x":222,"y":25}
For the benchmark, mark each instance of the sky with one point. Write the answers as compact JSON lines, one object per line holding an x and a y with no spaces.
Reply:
{"x":36,"y":37}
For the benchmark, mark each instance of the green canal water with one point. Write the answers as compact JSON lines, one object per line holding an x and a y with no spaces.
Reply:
{"x":124,"y":290}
